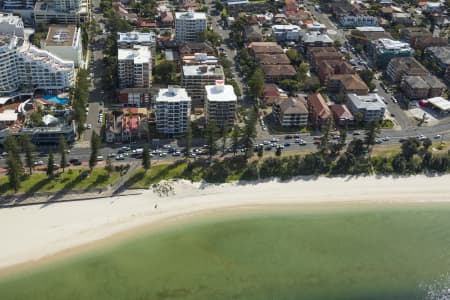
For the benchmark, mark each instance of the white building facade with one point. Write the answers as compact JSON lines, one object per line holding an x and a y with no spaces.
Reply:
{"x":360,"y":20}
{"x":173,"y":110}
{"x":11,"y":25}
{"x":194,"y":79}
{"x":189,"y":26}
{"x":61,"y":11}
{"x":65,"y":42}
{"x":24,"y":65}
{"x":288,"y":33}
{"x":135,"y":67}
{"x":220,"y":104}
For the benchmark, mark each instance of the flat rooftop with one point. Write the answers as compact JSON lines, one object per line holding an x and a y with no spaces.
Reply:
{"x":61,"y":35}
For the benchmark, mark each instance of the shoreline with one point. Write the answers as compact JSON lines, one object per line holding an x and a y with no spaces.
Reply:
{"x":38,"y":235}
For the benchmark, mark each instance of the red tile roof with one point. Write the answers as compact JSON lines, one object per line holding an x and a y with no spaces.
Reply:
{"x":319,"y":105}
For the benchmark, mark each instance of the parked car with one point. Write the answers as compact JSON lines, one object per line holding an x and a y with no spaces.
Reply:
{"x":100,"y":158}
{"x":437,"y":136}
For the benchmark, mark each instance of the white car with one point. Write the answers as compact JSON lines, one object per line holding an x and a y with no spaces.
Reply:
{"x":120,"y":157}
{"x":437,"y":136}
{"x":100,"y":158}
{"x":89,"y":126}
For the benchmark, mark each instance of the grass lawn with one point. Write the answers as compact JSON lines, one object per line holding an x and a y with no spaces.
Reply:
{"x":365,"y":252}
{"x":69,"y":180}
{"x":140,"y":179}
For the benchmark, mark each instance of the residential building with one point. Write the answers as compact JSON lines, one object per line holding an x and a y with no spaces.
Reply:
{"x":370,"y":106}
{"x":253,"y":34}
{"x":61,"y":11}
{"x":131,"y":121}
{"x":315,"y":26}
{"x":402,"y":18}
{"x":134,"y":96}
{"x":347,"y":83}
{"x":199,"y":59}
{"x":422,"y":87}
{"x":438,"y":58}
{"x":11,"y":25}
{"x":191,"y":48}
{"x":24,"y":65}
{"x":342,"y":115}
{"x":256,"y":48}
{"x":121,"y":11}
{"x":286,"y":33}
{"x":399,"y":67}
{"x":358,"y":20}
{"x":318,"y":54}
{"x":411,"y":34}
{"x":319,"y":112}
{"x":220,"y":104}
{"x":327,"y":68}
{"x":18,"y":4}
{"x":371,"y":33}
{"x":291,"y":112}
{"x":273,"y":59}
{"x":195,"y":78}
{"x":173,"y":110}
{"x":381,"y":51}
{"x":272,"y":92}
{"x":434,"y":7}
{"x":133,"y":38}
{"x":65,"y":42}
{"x":189,"y":26}
{"x":276,"y":73}
{"x":315,"y":39}
{"x":7,"y":118}
{"x":134,"y":67}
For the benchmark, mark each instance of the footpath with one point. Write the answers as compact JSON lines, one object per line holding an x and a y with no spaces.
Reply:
{"x":117,"y":189}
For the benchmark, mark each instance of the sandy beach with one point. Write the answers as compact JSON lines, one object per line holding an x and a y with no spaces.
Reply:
{"x":33,"y":233}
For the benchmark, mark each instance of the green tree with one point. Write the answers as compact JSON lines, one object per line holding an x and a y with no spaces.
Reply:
{"x":249,"y":133}
{"x":409,"y":148}
{"x":62,"y":151}
{"x":224,"y":139}
{"x":36,"y":118}
{"x":146,"y":158}
{"x":109,"y":167}
{"x":290,"y":85}
{"x":366,"y":75}
{"x":214,"y":38}
{"x":95,"y":145}
{"x":13,"y":148}
{"x":235,"y":139}
{"x":188,"y":140}
{"x":302,"y":72}
{"x":260,"y":151}
{"x":278,"y":151}
{"x":426,"y":143}
{"x":237,"y":89}
{"x":28,"y":148}
{"x":14,"y":172}
{"x":211,"y":136}
{"x":372,"y":131}
{"x":256,"y":84}
{"x":295,"y":57}
{"x":50,"y":165}
{"x":165,"y":72}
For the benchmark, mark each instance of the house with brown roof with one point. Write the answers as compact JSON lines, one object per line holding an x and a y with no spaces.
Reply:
{"x":264,"y":48}
{"x":291,"y":112}
{"x":342,"y":115}
{"x":190,"y":48}
{"x":318,"y":54}
{"x":271,"y":92}
{"x":331,"y":67}
{"x":276,"y":73}
{"x":253,"y":34}
{"x":166,"y":18}
{"x":319,"y":113}
{"x":342,"y":84}
{"x":273,"y":59}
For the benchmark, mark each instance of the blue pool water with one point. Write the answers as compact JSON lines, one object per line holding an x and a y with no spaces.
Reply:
{"x":60,"y":101}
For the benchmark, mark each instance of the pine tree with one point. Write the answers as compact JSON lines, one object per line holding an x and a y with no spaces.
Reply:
{"x":62,"y":151}
{"x":95,"y":145}
{"x":28,"y":148}
{"x":146,"y":158}
{"x":188,"y":140}
{"x":50,"y":165}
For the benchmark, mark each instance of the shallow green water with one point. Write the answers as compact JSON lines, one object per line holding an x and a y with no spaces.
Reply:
{"x":364,"y":253}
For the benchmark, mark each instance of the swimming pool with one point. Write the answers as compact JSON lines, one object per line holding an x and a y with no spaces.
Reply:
{"x":60,"y":101}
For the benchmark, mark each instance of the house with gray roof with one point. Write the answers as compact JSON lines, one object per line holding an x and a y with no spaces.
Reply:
{"x":371,"y":106}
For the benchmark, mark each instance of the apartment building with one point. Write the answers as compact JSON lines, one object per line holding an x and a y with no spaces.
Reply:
{"x":135,"y":67}
{"x":286,"y":33}
{"x":422,"y":87}
{"x":358,"y":20}
{"x":371,"y":106}
{"x":61,"y":11}
{"x":381,"y":51}
{"x":220,"y":104}
{"x":133,"y":38}
{"x":195,"y":78}
{"x":173,"y":109}
{"x":189,"y":26}
{"x":24,"y":65}
{"x":399,"y":67}
{"x":18,"y":4}
{"x":11,"y":25}
{"x":65,"y":42}
{"x":319,"y":112}
{"x":291,"y":112}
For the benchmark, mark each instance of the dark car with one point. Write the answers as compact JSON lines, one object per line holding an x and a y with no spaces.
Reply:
{"x":288,"y":137}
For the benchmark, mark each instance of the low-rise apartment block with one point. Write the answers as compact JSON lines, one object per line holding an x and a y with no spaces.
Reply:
{"x":422,"y":87}
{"x":291,"y":112}
{"x":319,"y":112}
{"x":173,"y":110}
{"x":342,"y":84}
{"x":399,"y":67}
{"x":286,"y":33}
{"x":370,"y":106}
{"x":220,"y":104}
{"x":342,"y":115}
{"x":381,"y":51}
